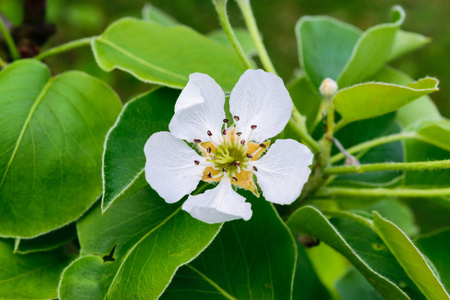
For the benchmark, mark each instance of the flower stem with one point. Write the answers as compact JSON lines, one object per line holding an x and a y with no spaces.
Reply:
{"x":298,"y":125}
{"x":381,"y":192}
{"x":404,"y":166}
{"x":64,"y":47}
{"x":375,"y":142}
{"x":250,"y":21}
{"x":9,"y":41}
{"x":221,"y":8}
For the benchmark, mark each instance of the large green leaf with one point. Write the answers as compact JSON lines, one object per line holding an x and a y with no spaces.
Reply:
{"x":31,"y":276}
{"x":325,"y":45}
{"x":165,"y":55}
{"x":143,"y":241}
{"x":123,"y":158}
{"x":430,"y":214}
{"x":435,"y":247}
{"x":420,"y":109}
{"x":362,"y":247}
{"x":353,"y":286}
{"x":410,"y":258}
{"x":368,"y":100}
{"x":51,"y":142}
{"x":154,"y":14}
{"x":371,"y":51}
{"x":252,"y":259}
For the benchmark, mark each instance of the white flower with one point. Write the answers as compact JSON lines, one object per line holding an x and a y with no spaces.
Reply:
{"x":231,"y":153}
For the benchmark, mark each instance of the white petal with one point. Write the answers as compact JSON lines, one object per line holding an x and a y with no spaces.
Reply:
{"x":283,"y":171}
{"x":170,"y":169}
{"x":218,"y":205}
{"x":199,"y":108}
{"x":260,"y":98}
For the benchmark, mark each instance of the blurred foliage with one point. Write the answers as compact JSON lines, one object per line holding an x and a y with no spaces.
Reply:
{"x":276,"y":20}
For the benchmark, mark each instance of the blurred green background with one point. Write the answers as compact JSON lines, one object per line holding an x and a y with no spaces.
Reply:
{"x":276,"y":20}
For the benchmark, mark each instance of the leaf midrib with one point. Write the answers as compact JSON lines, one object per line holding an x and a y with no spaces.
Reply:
{"x":134,"y":247}
{"x":33,"y":108}
{"x":215,"y":285}
{"x":138,"y":59}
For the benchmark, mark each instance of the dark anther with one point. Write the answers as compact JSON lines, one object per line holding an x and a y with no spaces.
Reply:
{"x":224,"y":170}
{"x":236,"y":118}
{"x":226,"y":121}
{"x":209,"y":175}
{"x":242,"y":142}
{"x":208,"y":149}
{"x":249,"y":155}
{"x":196,"y":162}
{"x":255,"y":169}
{"x":209,"y":132}
{"x":197,"y":141}
{"x":262,"y":145}
{"x":224,"y":132}
{"x":253,"y":127}
{"x":234,"y":178}
{"x":239,"y":133}
{"x":237,"y":164}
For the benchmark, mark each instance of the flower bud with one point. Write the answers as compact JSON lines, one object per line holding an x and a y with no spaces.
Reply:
{"x":328,"y":88}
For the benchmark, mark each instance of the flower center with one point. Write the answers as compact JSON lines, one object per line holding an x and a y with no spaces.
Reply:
{"x":233,"y":157}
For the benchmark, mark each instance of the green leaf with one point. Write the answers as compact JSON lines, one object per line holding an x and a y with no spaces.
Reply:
{"x":154,"y":14}
{"x":123,"y":158}
{"x":406,"y":42}
{"x":353,"y":286}
{"x":51,"y":142}
{"x":420,"y":109}
{"x":242,"y":35}
{"x":306,"y":100}
{"x":422,"y":151}
{"x":143,"y":241}
{"x":410,"y":258}
{"x":307,"y":284}
{"x":31,"y":276}
{"x":329,"y":265}
{"x":51,"y":240}
{"x":371,"y":51}
{"x":362,"y":247}
{"x":165,"y":55}
{"x":366,"y":130}
{"x":381,"y":98}
{"x":436,"y":133}
{"x":325,"y":45}
{"x":431,"y":214}
{"x":435,"y":247}
{"x":252,"y":259}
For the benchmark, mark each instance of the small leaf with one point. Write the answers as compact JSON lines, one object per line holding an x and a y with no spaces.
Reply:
{"x":371,"y":51}
{"x":410,"y":258}
{"x":252,"y":259}
{"x":49,"y":241}
{"x":165,"y":55}
{"x":362,"y":247}
{"x":420,"y":109}
{"x":154,"y":14}
{"x":123,"y":158}
{"x":306,"y":100}
{"x":435,"y":247}
{"x":32,"y":276}
{"x":242,"y":35}
{"x":406,"y":42}
{"x":142,"y":240}
{"x":51,"y":142}
{"x":368,"y":100}
{"x":325,"y":45}
{"x":435,"y":132}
